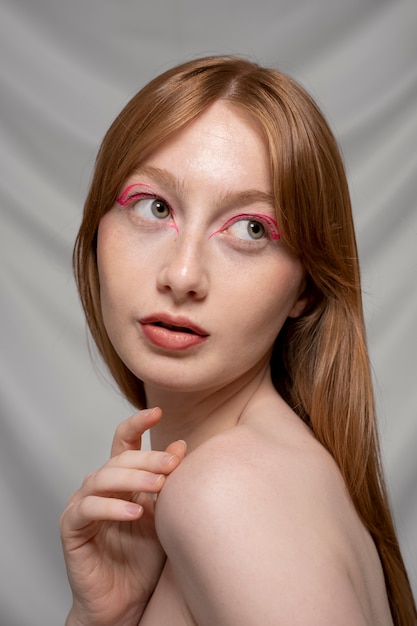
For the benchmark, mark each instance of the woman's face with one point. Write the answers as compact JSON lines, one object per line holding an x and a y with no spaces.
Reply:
{"x":195,"y":282}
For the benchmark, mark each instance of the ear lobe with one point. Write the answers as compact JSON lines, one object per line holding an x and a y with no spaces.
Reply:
{"x":304,"y":301}
{"x":300,"y":305}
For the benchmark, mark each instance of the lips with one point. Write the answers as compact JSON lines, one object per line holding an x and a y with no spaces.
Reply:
{"x":172,"y":333}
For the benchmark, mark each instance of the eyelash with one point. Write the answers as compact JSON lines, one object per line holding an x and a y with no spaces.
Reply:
{"x":270,"y":225}
{"x":268,"y":222}
{"x":126,"y":200}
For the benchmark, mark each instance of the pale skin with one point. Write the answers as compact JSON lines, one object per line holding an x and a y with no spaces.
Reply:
{"x":253,"y":525}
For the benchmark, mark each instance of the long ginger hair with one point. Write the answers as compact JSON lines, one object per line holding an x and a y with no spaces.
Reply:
{"x":320,"y":360}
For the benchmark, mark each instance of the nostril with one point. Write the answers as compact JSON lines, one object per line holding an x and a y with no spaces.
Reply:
{"x":184,"y":275}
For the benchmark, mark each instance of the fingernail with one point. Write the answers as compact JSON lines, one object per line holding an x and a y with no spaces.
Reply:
{"x":133,"y":509}
{"x":168,"y":458}
{"x":154,"y":478}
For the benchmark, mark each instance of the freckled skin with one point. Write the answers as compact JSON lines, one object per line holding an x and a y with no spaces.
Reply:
{"x":206,"y":269}
{"x":254,"y":526}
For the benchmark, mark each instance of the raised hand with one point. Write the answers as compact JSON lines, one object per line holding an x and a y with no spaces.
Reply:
{"x":112,"y":553}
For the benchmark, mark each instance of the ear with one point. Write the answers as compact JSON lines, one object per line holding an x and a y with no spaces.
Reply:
{"x":299,"y":307}
{"x":303,"y":302}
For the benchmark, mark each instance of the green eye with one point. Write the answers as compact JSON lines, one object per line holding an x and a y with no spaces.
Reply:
{"x":152,"y":208}
{"x":160,"y":209}
{"x":256,"y":230}
{"x":248,"y":229}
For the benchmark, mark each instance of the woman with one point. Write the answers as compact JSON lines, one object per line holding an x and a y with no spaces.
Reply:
{"x":218,"y":271}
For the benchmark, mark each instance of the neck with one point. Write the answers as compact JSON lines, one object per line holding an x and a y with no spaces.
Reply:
{"x":197,"y":416}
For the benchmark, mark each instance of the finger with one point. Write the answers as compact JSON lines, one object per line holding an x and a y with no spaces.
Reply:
{"x":132,"y":470}
{"x":116,"y":481}
{"x":128,"y":435}
{"x":177,"y":448}
{"x":150,"y":460}
{"x":79,"y":515}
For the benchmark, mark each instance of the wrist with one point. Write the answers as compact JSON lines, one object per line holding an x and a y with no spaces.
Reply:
{"x":75,"y":618}
{"x":78,"y":617}
{"x":72,"y":620}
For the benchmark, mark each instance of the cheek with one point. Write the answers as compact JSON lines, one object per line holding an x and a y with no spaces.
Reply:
{"x":107,"y":255}
{"x":118,"y":255}
{"x":275,"y":288}
{"x":108,"y":240}
{"x":264,"y":303}
{"x":113,"y":252}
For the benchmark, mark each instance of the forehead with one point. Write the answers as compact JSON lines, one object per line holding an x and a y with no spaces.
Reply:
{"x":223,"y":145}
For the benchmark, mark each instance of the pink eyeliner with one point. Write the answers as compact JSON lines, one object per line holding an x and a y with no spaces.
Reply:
{"x":267,"y":219}
{"x":124,"y":197}
{"x":127,"y":197}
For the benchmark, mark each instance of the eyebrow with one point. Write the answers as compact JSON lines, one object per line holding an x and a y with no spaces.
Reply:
{"x":161,"y":177}
{"x":229,"y":199}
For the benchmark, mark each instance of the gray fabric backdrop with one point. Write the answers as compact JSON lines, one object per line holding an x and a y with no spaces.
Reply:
{"x":66,"y":69}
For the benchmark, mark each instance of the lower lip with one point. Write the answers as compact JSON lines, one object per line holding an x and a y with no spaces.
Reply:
{"x":171,"y":339}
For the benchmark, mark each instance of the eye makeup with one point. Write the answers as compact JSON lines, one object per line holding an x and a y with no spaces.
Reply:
{"x":267,"y":221}
{"x":126,"y":196}
{"x":138,"y":191}
{"x":133,"y":194}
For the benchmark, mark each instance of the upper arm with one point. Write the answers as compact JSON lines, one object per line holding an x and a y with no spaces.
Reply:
{"x":243,"y":548}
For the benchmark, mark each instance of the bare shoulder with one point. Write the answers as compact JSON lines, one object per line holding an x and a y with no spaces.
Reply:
{"x":245,"y":466}
{"x":257,"y":526}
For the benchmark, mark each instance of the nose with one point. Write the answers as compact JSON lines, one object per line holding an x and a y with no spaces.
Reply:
{"x":184,"y":272}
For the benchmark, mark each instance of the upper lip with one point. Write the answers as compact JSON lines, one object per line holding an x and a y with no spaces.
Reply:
{"x":174,"y":322}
